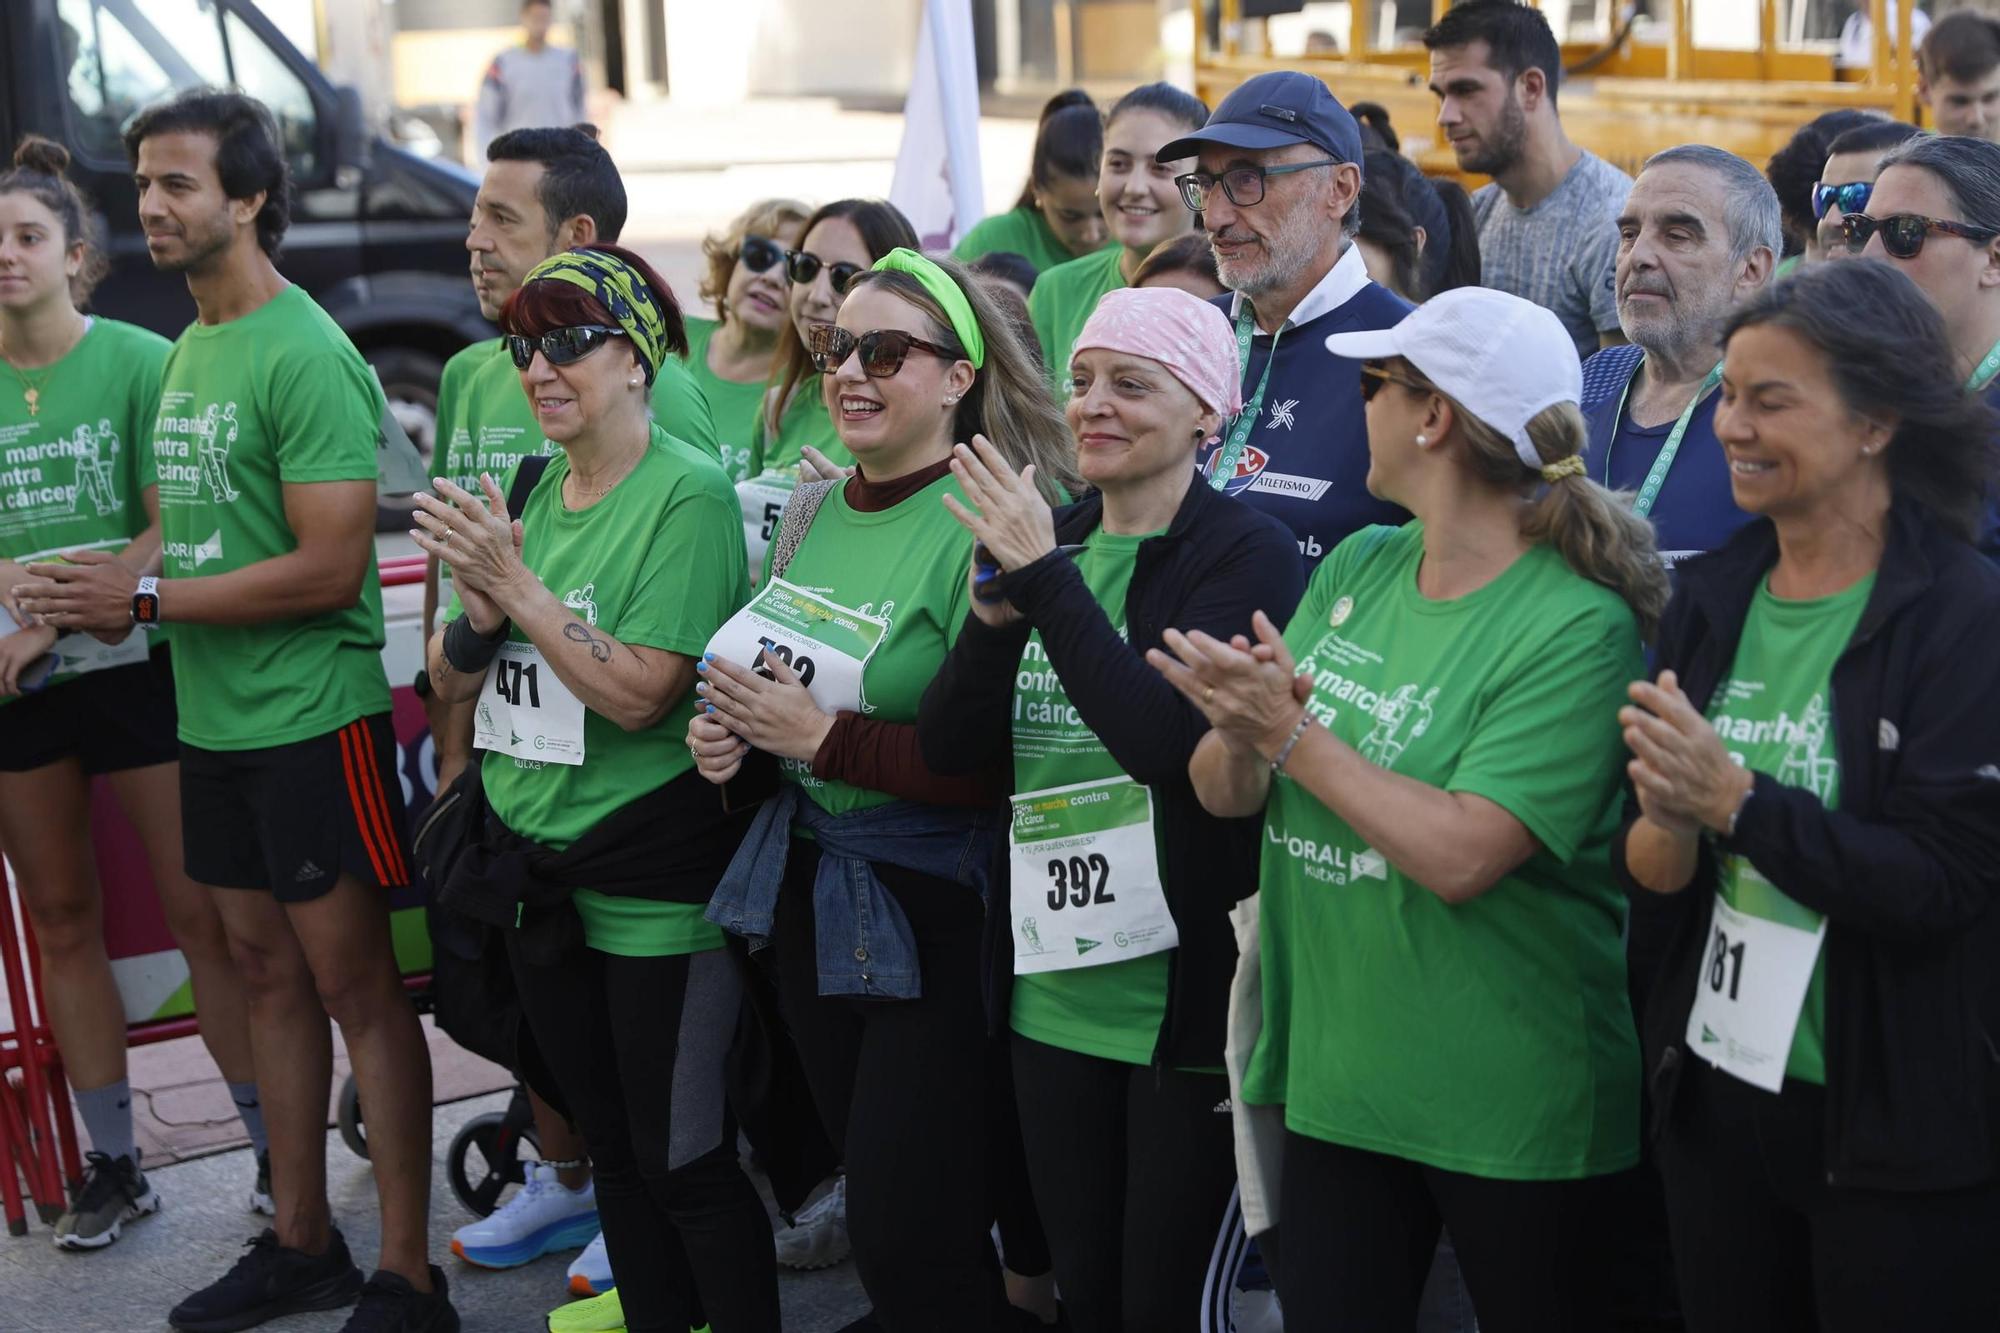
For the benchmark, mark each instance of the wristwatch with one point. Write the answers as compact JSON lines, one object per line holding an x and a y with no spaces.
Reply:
{"x":146,"y":603}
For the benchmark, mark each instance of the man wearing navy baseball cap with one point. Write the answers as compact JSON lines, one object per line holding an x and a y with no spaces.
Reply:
{"x":1277,"y":185}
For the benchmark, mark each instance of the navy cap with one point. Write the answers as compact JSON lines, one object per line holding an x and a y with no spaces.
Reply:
{"x":1273,"y":110}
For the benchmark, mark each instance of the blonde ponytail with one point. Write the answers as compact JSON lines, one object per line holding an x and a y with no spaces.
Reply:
{"x":1593,"y":529}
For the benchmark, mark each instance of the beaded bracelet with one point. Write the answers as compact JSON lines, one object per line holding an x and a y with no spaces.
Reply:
{"x":1285,"y":751}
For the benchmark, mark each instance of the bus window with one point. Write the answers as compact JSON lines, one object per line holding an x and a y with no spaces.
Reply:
{"x":120,"y":59}
{"x":263,"y":74}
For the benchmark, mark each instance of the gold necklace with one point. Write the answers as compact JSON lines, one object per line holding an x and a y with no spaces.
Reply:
{"x":31,"y":388}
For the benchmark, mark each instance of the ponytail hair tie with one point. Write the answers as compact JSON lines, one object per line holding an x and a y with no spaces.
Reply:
{"x":1572,"y":466}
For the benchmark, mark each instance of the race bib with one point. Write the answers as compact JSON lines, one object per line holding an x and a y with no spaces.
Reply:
{"x":828,"y":645}
{"x":1750,"y":994}
{"x":1085,"y":875}
{"x":763,"y":498}
{"x":526,"y":711}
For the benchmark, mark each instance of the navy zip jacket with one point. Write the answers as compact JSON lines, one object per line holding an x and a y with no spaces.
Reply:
{"x":1219,"y":561}
{"x":1906,"y":870}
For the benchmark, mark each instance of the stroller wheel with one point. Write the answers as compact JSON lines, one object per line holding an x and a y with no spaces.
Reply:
{"x":490,"y":1153}
{"x":347,"y":1115}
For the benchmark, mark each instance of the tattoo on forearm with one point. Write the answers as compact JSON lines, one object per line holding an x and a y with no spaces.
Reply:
{"x":577,"y":631}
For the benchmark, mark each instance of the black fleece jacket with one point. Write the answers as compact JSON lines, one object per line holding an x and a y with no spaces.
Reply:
{"x":1906,"y":870}
{"x":1219,"y":561}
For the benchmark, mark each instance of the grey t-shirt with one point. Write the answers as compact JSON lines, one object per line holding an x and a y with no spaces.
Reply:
{"x":526,"y":89}
{"x":1559,"y":254}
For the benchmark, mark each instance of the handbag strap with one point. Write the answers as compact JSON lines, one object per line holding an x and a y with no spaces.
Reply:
{"x":526,"y":477}
{"x":797,"y":519}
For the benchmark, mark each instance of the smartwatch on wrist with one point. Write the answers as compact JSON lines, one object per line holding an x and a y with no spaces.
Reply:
{"x":146,"y":603}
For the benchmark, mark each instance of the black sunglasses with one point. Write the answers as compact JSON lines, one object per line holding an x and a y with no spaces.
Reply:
{"x":882,"y":350}
{"x":803,"y":266}
{"x":758,"y":253}
{"x":1849,"y":198}
{"x":1244,"y":186}
{"x":560,"y":347}
{"x":1374,"y":375}
{"x":1903,"y":234}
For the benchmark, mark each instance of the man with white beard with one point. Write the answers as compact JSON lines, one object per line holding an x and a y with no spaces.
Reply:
{"x":1277,"y":184}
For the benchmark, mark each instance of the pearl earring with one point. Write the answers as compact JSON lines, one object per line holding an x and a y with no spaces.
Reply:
{"x":1423,"y":441}
{"x":951,"y":400}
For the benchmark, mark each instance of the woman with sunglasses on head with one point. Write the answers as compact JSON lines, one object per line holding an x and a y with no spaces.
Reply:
{"x":869,"y":870}
{"x":1122,"y":950}
{"x":1141,"y":205}
{"x":78,"y":397}
{"x":1813,"y":774}
{"x":1431,"y":742}
{"x":576,"y":627}
{"x":1056,"y":218}
{"x":838,"y":241}
{"x":731,"y":354}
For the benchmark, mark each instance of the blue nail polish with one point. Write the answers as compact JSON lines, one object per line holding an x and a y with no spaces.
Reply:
{"x":708,"y":657}
{"x":701,"y":666}
{"x":711,"y":708}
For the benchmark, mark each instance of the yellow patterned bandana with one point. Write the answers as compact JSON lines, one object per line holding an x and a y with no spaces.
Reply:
{"x":621,"y":290}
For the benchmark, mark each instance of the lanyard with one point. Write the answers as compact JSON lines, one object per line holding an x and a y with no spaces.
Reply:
{"x":1655,"y":479}
{"x":1985,"y":372}
{"x":1246,"y":420}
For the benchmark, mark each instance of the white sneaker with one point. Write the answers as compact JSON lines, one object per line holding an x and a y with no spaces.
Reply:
{"x":820,"y":1238}
{"x":590,"y":1274}
{"x":541,"y":1218}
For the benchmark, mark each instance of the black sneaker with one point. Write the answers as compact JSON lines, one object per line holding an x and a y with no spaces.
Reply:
{"x":268,"y":1281}
{"x":389,"y":1304}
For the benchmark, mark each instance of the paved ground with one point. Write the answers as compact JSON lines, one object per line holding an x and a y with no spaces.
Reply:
{"x":196,"y":1236}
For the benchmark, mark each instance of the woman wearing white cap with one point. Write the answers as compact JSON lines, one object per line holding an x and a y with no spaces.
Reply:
{"x":1444,"y":1014}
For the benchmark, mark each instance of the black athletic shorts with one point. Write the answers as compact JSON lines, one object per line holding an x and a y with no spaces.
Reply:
{"x":294,"y":818}
{"x":108,"y":721}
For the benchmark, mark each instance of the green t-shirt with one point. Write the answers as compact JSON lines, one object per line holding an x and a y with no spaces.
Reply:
{"x":1493,"y":1037}
{"x":485,"y":422}
{"x":73,"y":473}
{"x":1114,"y":1011}
{"x":1021,"y":231}
{"x":657,"y":563}
{"x":679,"y":405}
{"x":1772,"y":712}
{"x":734,"y":405}
{"x":806,"y":422}
{"x":1062,"y":302}
{"x":907,"y":565}
{"x":247,"y":407}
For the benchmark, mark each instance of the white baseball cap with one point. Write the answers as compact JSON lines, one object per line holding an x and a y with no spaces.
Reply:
{"x":1504,"y":359}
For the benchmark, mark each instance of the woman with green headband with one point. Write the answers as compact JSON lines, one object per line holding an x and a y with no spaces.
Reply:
{"x":868,"y":871}
{"x":576,"y":629}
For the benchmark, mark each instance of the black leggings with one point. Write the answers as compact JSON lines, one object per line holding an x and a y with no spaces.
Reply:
{"x":636,"y":1046}
{"x":1132,"y":1170}
{"x":902,"y":1087}
{"x":1763,"y":1243}
{"x":1361,"y":1232}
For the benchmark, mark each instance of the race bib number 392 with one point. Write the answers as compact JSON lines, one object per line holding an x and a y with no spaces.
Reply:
{"x":1085,"y":877}
{"x":826,"y":645}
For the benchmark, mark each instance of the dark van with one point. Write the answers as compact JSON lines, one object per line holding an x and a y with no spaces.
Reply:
{"x":378,"y":235}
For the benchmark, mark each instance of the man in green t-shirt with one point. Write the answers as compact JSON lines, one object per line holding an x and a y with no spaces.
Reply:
{"x":291,"y":806}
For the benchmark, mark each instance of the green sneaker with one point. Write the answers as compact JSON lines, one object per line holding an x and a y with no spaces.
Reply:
{"x":111,"y":1194}
{"x":599,"y":1314}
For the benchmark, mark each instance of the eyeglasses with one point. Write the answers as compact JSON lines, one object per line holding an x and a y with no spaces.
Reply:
{"x":1244,"y":186}
{"x":560,"y":347}
{"x":1849,"y":198}
{"x":882,"y":350}
{"x":758,"y":253}
{"x":803,"y":266}
{"x":1903,"y":234}
{"x":1374,"y":375}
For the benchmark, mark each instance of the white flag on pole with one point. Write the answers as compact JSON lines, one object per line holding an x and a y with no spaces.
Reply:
{"x":937,"y":183}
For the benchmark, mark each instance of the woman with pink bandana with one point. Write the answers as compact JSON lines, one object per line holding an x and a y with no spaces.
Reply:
{"x":1121,"y":885}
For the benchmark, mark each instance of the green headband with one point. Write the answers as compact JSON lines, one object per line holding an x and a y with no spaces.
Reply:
{"x":621,"y":290}
{"x":946,"y":293}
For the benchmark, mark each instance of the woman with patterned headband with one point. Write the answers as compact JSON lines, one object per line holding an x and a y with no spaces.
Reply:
{"x":869,"y":869}
{"x":577,"y":630}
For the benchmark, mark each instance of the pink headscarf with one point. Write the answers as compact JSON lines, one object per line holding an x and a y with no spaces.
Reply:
{"x":1182,"y":332}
